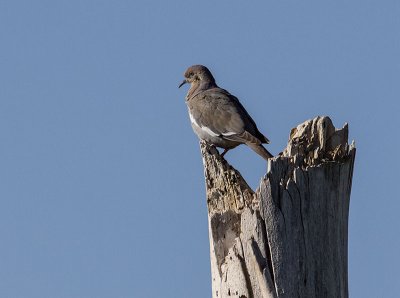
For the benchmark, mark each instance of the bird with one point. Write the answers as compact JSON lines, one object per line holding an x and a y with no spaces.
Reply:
{"x":217,"y":116}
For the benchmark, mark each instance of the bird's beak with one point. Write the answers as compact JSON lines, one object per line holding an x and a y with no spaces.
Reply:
{"x":183,"y":83}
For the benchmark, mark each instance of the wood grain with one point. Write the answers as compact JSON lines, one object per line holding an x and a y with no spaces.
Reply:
{"x":289,"y":237}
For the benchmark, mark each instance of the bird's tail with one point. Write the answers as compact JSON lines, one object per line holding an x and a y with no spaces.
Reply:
{"x":260,"y":150}
{"x":253,"y":142}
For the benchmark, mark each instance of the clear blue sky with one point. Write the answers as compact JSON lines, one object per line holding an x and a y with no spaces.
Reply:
{"x":101,"y":180}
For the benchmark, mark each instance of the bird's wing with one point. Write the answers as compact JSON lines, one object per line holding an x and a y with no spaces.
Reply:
{"x":250,"y":125}
{"x":221,"y":113}
{"x":214,"y":111}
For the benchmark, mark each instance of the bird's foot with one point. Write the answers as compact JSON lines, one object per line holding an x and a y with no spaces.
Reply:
{"x":224,"y":152}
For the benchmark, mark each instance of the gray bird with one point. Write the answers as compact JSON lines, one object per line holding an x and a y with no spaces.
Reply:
{"x":217,"y":116}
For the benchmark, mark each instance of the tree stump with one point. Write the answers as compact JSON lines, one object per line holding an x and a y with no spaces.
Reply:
{"x":289,"y":237}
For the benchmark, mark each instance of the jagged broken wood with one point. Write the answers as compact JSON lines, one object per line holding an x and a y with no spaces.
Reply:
{"x":289,"y":238}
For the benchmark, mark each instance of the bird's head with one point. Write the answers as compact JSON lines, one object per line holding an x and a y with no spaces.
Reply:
{"x":198,"y":74}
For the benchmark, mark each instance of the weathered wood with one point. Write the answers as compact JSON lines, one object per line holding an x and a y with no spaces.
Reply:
{"x":289,"y":238}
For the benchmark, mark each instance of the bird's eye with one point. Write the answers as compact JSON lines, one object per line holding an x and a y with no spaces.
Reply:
{"x":191,"y":74}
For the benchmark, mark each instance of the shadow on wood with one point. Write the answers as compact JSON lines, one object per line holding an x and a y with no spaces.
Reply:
{"x":289,"y":238}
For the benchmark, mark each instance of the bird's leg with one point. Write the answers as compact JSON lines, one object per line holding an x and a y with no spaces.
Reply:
{"x":223,"y":153}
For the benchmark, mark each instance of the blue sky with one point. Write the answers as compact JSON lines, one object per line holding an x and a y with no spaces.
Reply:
{"x":102,"y":189}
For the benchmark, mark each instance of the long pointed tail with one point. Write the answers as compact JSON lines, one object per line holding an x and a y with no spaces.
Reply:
{"x":260,"y":150}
